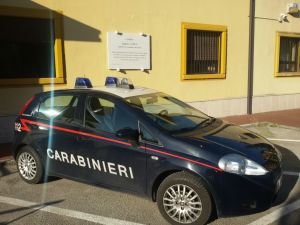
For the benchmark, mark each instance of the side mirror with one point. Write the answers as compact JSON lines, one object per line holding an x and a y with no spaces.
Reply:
{"x":130,"y":134}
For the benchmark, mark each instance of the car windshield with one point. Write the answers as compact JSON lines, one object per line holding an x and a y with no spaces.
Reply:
{"x":169,"y":113}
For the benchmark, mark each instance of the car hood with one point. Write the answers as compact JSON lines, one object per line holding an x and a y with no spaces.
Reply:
{"x":237,"y":140}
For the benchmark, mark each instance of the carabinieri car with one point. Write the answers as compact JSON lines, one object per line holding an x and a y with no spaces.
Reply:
{"x":144,"y":141}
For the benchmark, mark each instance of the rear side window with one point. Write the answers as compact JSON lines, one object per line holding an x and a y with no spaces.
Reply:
{"x":59,"y":108}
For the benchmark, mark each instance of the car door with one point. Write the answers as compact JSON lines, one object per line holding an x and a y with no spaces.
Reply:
{"x":112,"y":160}
{"x":55,"y":132}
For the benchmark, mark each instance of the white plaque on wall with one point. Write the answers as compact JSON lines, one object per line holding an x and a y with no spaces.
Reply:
{"x":128,"y":51}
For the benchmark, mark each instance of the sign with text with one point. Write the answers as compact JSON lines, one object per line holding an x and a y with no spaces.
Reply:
{"x":128,"y":51}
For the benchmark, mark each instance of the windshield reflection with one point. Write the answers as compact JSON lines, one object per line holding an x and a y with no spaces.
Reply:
{"x":170,"y":113}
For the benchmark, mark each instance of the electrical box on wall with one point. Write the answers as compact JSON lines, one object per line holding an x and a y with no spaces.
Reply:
{"x":292,"y":8}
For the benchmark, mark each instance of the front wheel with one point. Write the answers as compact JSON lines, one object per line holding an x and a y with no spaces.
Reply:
{"x":183,"y":199}
{"x":29,"y":165}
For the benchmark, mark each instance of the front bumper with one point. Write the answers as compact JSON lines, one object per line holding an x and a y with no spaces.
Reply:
{"x":240,"y":195}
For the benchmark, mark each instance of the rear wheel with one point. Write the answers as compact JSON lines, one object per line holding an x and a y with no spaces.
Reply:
{"x":183,"y":199}
{"x":29,"y":165}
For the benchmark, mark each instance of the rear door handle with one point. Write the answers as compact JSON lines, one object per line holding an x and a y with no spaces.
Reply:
{"x":34,"y":126}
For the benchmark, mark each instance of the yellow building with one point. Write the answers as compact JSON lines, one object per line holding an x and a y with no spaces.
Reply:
{"x":276,"y":57}
{"x":199,"y":50}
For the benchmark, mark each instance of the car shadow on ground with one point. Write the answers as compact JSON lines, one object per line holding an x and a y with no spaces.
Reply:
{"x":290,"y":162}
{"x":9,"y":167}
{"x":35,"y":208}
{"x":50,"y":179}
{"x":6,"y":169}
{"x":292,"y":217}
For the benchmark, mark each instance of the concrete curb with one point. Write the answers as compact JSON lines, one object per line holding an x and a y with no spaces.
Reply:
{"x":269,"y":124}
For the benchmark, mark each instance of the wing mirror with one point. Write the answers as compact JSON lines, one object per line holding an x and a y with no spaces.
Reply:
{"x":129,"y":134}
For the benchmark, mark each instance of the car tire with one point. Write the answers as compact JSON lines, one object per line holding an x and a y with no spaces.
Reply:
{"x":192,"y":206}
{"x":29,"y":165}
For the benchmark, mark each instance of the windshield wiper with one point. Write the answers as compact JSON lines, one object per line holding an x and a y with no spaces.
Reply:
{"x":204,"y":123}
{"x":194,"y":116}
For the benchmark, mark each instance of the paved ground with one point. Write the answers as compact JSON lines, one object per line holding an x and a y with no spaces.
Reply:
{"x":69,"y":202}
{"x":286,"y":117}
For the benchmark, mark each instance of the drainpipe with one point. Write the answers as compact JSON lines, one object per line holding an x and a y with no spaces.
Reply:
{"x":250,"y":56}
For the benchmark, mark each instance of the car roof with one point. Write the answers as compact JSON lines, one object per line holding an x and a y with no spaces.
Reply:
{"x":120,"y":92}
{"x":125,"y":92}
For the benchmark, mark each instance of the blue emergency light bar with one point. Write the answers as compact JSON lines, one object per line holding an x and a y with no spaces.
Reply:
{"x":119,"y":82}
{"x":82,"y":82}
{"x":111,"y":81}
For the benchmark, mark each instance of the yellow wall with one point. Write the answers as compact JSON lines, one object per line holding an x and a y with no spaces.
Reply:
{"x":162,"y":20}
{"x":265,"y":35}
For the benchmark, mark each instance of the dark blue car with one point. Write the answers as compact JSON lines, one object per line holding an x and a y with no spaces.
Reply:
{"x":144,"y":141}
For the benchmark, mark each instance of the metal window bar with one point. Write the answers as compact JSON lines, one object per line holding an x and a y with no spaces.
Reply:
{"x":203,"y":52}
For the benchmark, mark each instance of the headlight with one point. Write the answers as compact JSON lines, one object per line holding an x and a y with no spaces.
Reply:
{"x":234,"y":163}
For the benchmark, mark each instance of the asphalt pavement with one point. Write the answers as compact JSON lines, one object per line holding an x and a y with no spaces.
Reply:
{"x":62,"y":201}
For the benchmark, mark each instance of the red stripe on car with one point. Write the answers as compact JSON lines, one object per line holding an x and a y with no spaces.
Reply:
{"x":180,"y":157}
{"x":24,"y":121}
{"x":26,"y":128}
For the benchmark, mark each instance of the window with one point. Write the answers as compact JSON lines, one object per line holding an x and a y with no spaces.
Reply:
{"x":30,"y":46}
{"x":105,"y":115}
{"x":147,"y":137}
{"x":169,"y":113}
{"x":59,"y":108}
{"x":287,"y":54}
{"x":203,"y":51}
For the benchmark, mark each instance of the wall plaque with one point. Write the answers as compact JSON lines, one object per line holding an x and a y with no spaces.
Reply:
{"x":128,"y":51}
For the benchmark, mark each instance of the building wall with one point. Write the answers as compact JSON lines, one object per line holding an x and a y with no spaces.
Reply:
{"x":162,"y":20}
{"x":272,"y":93}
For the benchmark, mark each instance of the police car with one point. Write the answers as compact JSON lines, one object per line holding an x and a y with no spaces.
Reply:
{"x":140,"y":140}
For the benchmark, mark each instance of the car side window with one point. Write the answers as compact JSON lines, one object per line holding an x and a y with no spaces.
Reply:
{"x":59,"y":108}
{"x":105,"y":115}
{"x":147,"y":136}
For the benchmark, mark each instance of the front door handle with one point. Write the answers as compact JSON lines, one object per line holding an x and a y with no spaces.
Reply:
{"x":83,"y":138}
